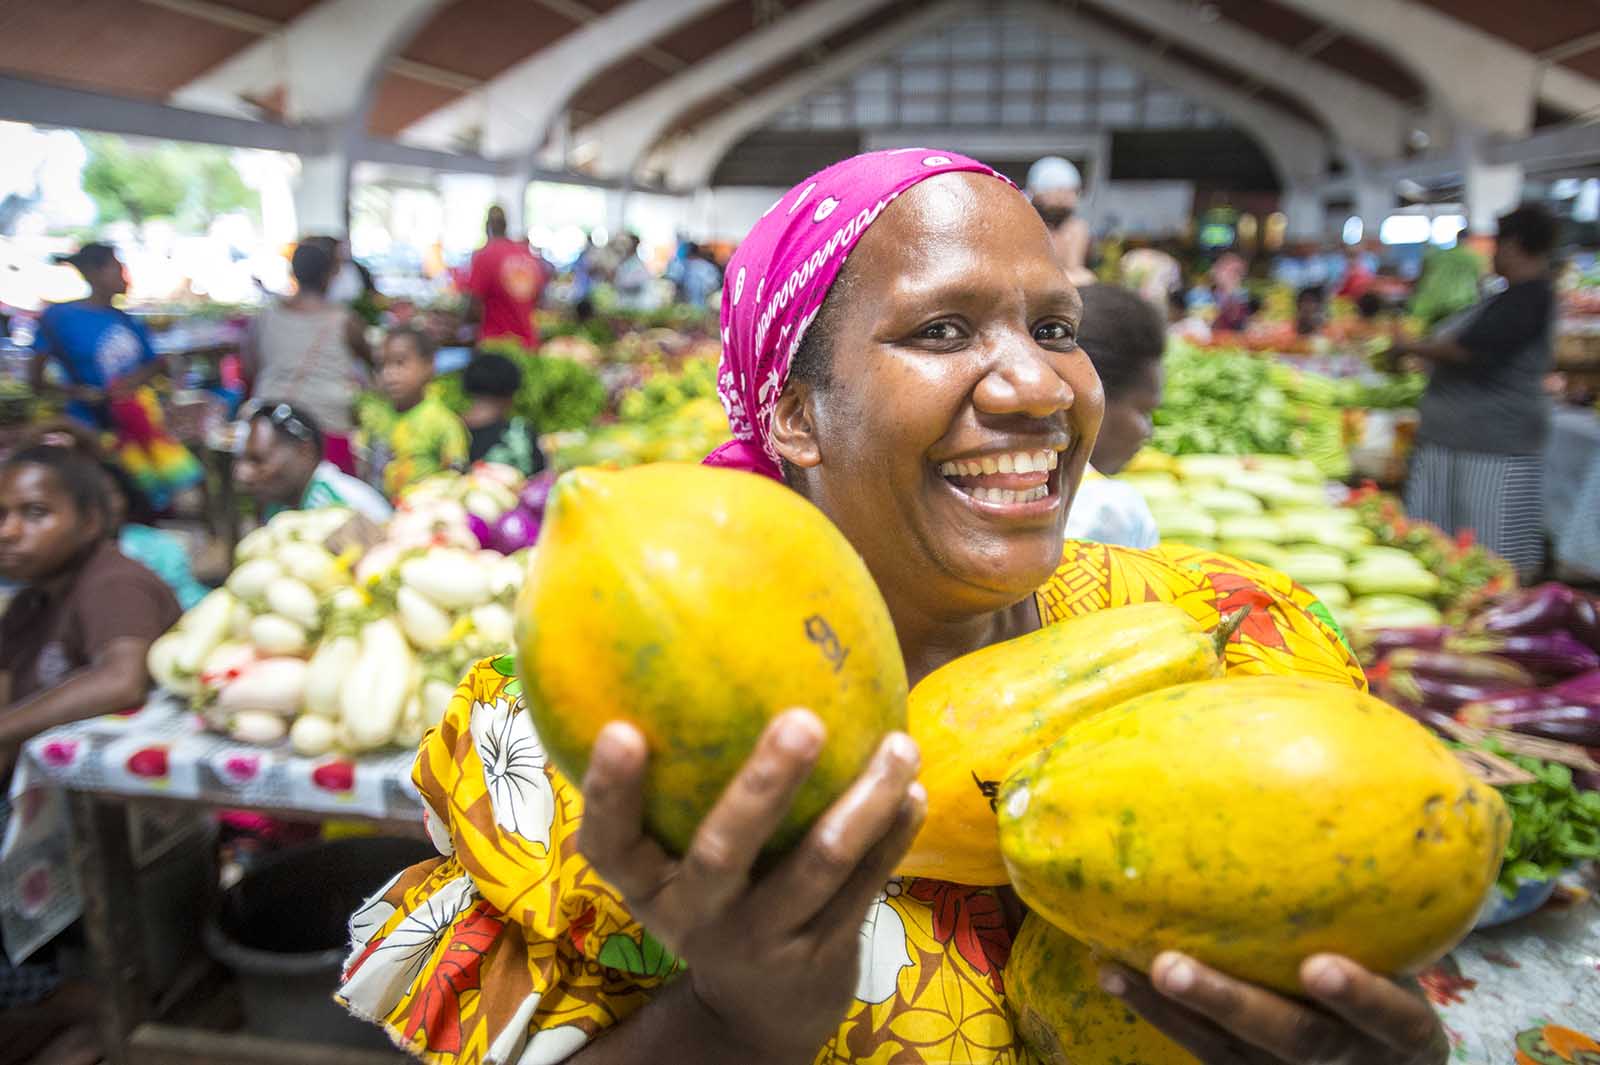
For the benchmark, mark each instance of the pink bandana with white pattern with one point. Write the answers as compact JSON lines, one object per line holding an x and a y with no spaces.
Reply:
{"x":780,"y":275}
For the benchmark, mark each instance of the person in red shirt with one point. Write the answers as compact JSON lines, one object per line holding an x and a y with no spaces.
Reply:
{"x":505,"y":282}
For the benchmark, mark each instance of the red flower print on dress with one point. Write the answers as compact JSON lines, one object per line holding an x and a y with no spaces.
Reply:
{"x":1236,"y":592}
{"x":580,"y":929}
{"x":437,"y":1008}
{"x":971,"y":918}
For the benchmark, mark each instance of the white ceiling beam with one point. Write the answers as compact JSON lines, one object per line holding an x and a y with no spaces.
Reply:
{"x":618,"y":141}
{"x":690,"y":159}
{"x":517,"y":109}
{"x":327,"y":60}
{"x":1484,"y":81}
{"x":1363,"y":120}
{"x":1298,"y":151}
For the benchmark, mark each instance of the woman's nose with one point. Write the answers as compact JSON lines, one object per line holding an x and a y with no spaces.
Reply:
{"x":1022,"y":380}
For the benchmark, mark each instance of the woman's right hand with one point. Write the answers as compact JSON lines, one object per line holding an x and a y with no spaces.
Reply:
{"x":772,"y":962}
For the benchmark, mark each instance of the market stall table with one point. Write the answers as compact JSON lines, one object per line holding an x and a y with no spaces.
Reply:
{"x":68,"y":853}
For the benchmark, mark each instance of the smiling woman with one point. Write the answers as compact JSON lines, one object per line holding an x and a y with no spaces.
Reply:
{"x":899,"y":347}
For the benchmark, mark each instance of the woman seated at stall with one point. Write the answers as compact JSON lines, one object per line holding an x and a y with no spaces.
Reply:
{"x":73,"y":641}
{"x":900,"y":347}
{"x":283,"y":467}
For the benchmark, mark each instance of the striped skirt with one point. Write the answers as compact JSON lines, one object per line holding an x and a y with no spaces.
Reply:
{"x":1499,"y":497}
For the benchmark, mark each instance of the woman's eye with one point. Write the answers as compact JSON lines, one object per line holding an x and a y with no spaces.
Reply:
{"x":1054,"y":333}
{"x":938,"y":331}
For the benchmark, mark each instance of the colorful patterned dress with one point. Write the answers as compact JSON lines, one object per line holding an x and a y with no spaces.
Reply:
{"x":510,"y":950}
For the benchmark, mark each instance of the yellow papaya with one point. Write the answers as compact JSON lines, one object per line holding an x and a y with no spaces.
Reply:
{"x":1053,"y":993}
{"x":976,"y":716}
{"x":698,"y":604}
{"x":1252,"y":822}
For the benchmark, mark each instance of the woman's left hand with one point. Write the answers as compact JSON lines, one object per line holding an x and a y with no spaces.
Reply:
{"x":1357,"y":1018}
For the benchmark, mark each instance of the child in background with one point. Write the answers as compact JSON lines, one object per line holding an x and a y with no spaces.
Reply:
{"x":491,"y":382}
{"x":414,"y":434}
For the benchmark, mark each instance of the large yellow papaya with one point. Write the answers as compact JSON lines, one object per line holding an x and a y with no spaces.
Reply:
{"x":1252,"y":822}
{"x":1053,"y":992}
{"x":976,"y":716}
{"x":698,"y":604}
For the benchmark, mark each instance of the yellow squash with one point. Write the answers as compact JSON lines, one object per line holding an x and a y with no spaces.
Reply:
{"x":698,"y":604}
{"x":1252,"y":822}
{"x":975,"y":717}
{"x":1053,"y":992}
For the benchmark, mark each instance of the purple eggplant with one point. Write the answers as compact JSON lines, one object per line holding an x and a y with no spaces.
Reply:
{"x":1376,"y":645}
{"x":1570,"y":722}
{"x":1436,"y":720}
{"x":1583,"y":687}
{"x":1544,"y":608}
{"x":1435,"y":693}
{"x":1584,"y":620}
{"x":1461,"y":668}
{"x":481,"y":530}
{"x":516,"y":529}
{"x":1550,"y":654}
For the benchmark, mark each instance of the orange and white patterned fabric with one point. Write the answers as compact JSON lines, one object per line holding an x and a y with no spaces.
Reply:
{"x":510,"y":950}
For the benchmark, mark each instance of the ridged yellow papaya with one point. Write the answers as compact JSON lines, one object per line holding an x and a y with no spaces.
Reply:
{"x":698,"y":604}
{"x":1252,"y":822}
{"x":1053,"y":992}
{"x":976,"y":716}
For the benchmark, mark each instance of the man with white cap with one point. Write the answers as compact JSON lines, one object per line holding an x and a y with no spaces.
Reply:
{"x":1053,"y":185}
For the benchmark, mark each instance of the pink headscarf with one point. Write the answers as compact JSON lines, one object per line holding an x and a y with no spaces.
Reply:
{"x":780,"y":275}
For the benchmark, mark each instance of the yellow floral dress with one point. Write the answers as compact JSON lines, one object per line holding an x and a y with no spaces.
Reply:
{"x":510,"y":950}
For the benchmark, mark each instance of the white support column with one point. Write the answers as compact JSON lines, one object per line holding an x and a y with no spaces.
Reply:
{"x":1491,"y":188}
{"x":322,"y":194}
{"x":511,"y":193}
{"x":621,"y":138}
{"x":518,"y":107}
{"x":1304,"y":212}
{"x":1374,"y":201}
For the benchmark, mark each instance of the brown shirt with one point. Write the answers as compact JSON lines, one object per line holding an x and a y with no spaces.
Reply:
{"x":51,"y":630}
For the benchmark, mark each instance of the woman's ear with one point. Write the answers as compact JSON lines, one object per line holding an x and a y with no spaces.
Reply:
{"x":794,"y":434}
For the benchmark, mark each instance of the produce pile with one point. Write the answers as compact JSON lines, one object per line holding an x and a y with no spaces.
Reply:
{"x":1136,"y":799}
{"x":341,"y":636}
{"x":1528,"y":666}
{"x":1469,"y":574}
{"x":557,"y":392}
{"x":1275,"y":511}
{"x":1227,"y":401}
{"x":670,"y":417}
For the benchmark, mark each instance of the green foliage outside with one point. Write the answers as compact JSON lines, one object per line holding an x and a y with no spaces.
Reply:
{"x":191,"y":184}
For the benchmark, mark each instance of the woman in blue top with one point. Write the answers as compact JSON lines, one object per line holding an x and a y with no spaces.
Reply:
{"x":106,"y":356}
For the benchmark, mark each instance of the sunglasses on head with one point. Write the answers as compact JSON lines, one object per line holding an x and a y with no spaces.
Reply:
{"x":282,"y":416}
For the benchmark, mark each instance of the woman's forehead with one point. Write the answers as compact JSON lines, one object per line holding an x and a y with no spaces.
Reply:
{"x":964,"y":232}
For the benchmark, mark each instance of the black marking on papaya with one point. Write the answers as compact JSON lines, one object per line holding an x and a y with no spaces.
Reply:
{"x":819,"y":632}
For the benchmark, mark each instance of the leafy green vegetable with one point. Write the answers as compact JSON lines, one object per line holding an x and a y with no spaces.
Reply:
{"x":1554,"y":825}
{"x":557,"y":394}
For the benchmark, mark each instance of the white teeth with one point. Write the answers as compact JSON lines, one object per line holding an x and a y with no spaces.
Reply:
{"x":1014,"y":462}
{"x":1007,"y":496}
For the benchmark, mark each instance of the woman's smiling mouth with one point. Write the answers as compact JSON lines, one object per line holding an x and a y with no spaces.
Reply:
{"x":1009,"y":482}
